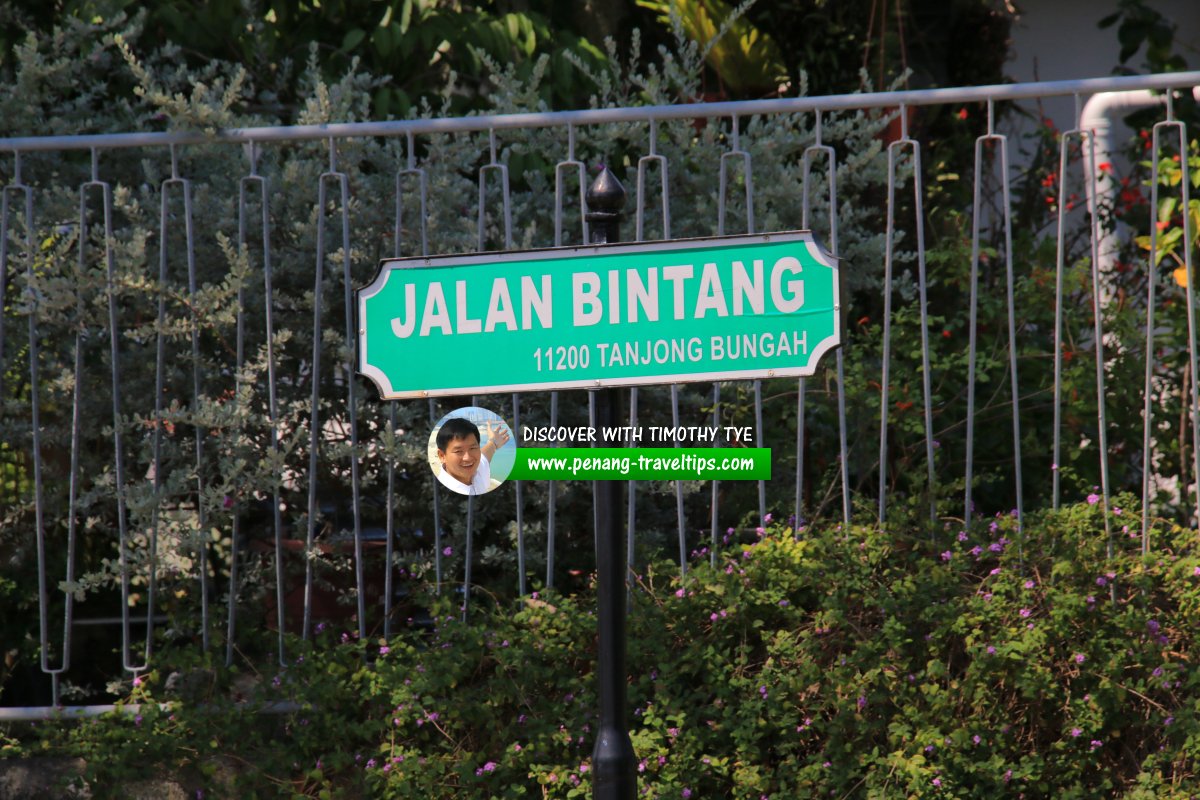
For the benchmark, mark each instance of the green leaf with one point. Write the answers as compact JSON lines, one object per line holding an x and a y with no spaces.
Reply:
{"x":352,"y":39}
{"x":406,"y":16}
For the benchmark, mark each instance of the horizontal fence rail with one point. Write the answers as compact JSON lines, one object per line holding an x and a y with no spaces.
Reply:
{"x":189,"y":453}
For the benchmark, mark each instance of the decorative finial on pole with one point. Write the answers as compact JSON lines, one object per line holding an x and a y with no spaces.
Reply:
{"x":605,"y":198}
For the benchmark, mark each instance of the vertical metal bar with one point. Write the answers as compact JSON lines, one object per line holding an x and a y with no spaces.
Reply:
{"x":893,"y":154}
{"x":972,"y":331}
{"x":820,"y":148}
{"x":160,"y":347}
{"x":315,"y":431}
{"x":1193,"y":359}
{"x":1098,"y":330}
{"x":799,"y":505}
{"x":1001,"y":142}
{"x":254,"y":179}
{"x":758,"y":437}
{"x":1147,"y":443}
{"x":437,"y":516}
{"x":630,"y":506}
{"x":550,"y":507}
{"x":644,"y":163}
{"x":679,"y":485}
{"x":735,"y":151}
{"x":468,"y":555}
{"x":560,"y":190}
{"x":922,"y":290}
{"x":1018,"y":475}
{"x":714,"y":509}
{"x":118,"y":438}
{"x":348,"y":366}
{"x":1059,"y":273}
{"x":17,"y":188}
{"x":1148,"y":386}
{"x":888,"y":258}
{"x":235,"y":527}
{"x":314,"y":439}
{"x":516,"y":403}
{"x":39,"y":510}
{"x":410,"y":169}
{"x":652,"y":157}
{"x":495,"y":165}
{"x":201,"y":516}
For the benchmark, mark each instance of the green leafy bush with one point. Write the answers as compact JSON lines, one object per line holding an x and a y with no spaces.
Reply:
{"x":826,"y":662}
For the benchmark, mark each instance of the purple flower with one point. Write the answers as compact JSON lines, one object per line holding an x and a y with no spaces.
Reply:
{"x":962,"y":536}
{"x":1080,"y":658}
{"x":976,"y":738}
{"x":371,"y":764}
{"x":447,"y":551}
{"x":384,"y":650}
{"x":1029,"y":584}
{"x":686,"y":793}
{"x":937,"y":781}
{"x":1076,"y":732}
{"x":1097,"y":744}
{"x":991,"y":650}
{"x":1152,"y":626}
{"x":767,"y":519}
{"x":946,"y":556}
{"x":1025,"y":612}
{"x":1102,"y":581}
{"x":862,"y":701}
{"x":1093,"y":499}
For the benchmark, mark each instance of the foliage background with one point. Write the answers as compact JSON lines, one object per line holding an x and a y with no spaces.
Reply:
{"x":156,"y":71}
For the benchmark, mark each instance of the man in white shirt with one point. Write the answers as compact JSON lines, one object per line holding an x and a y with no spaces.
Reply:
{"x":466,"y":466}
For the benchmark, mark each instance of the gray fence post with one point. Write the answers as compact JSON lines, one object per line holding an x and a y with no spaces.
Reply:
{"x":613,"y":775}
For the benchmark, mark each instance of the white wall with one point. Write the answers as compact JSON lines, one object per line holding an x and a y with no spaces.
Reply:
{"x":1057,"y":40}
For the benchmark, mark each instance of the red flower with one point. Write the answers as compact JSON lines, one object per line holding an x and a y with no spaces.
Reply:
{"x":1104,"y":166}
{"x":962,"y":113}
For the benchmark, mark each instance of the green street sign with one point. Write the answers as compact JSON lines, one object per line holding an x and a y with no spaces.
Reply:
{"x":724,"y":308}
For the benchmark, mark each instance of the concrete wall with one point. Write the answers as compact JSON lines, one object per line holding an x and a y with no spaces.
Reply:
{"x":1059,"y":40}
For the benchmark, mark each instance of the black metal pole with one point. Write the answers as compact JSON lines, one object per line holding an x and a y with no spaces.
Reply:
{"x":613,"y":774}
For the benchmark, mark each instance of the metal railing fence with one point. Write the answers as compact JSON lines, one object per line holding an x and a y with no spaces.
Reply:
{"x":184,"y":434}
